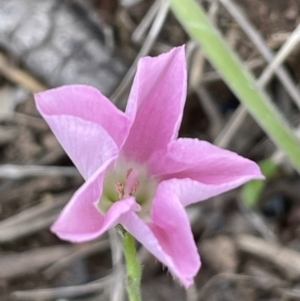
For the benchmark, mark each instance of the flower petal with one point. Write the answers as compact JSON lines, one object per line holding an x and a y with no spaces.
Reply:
{"x":156,"y":103}
{"x":172,"y":228}
{"x":86,"y":143}
{"x":196,"y":170}
{"x":190,"y":191}
{"x":81,"y":220}
{"x":87,"y":103}
{"x":204,"y":162}
{"x":168,"y":237}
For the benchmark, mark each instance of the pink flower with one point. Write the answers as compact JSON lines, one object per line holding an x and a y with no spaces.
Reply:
{"x":137,"y":173}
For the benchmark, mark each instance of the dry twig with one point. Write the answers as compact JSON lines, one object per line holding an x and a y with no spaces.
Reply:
{"x":18,"y":76}
{"x":62,"y":292}
{"x":239,"y":116}
{"x":16,"y":172}
{"x":141,"y":29}
{"x":18,"y":264}
{"x":25,"y":229}
{"x":117,"y":290}
{"x":209,"y":106}
{"x":32,"y":219}
{"x":147,"y":45}
{"x":284,"y":259}
{"x":258,"y":222}
{"x":83,"y":250}
{"x":31,"y":213}
{"x":261,"y":45}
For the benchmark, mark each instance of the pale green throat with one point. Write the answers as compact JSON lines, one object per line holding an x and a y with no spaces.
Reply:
{"x":125,"y":179}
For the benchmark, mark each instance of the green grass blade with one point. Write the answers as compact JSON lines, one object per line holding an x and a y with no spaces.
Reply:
{"x":252,"y":190}
{"x":239,"y":79}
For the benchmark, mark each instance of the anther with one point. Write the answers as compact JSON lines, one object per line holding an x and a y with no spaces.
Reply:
{"x":131,"y":183}
{"x":130,"y":186}
{"x":120,"y":188}
{"x":128,"y":173}
{"x":134,"y":187}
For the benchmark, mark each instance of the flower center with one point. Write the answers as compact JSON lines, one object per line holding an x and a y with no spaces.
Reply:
{"x":130,"y":186}
{"x":128,"y":179}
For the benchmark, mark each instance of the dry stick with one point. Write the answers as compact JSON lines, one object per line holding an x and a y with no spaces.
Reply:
{"x":262,"y":47}
{"x":196,"y":69}
{"x":149,"y":41}
{"x":141,"y":29}
{"x":283,"y":53}
{"x":24,"y":263}
{"x":51,"y":156}
{"x":210,"y":108}
{"x":31,"y":213}
{"x":265,"y":279}
{"x":240,"y":114}
{"x":63,"y":292}
{"x":277,"y":39}
{"x":284,"y":259}
{"x":18,"y":76}
{"x":258,"y":222}
{"x":291,"y":293}
{"x":84,"y":250}
{"x":25,"y":229}
{"x":127,"y":3}
{"x":15,"y":172}
{"x":36,"y":122}
{"x":118,"y":289}
{"x":213,"y":10}
{"x":32,"y":220}
{"x":204,"y":292}
{"x":125,"y":21}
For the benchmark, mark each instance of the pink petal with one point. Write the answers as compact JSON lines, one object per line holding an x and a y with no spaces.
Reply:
{"x":196,"y":170}
{"x":190,"y":191}
{"x":81,"y":220}
{"x":156,"y":103}
{"x":87,"y":103}
{"x":204,"y":162}
{"x":168,"y":237}
{"x":172,"y":228}
{"x":86,"y":143}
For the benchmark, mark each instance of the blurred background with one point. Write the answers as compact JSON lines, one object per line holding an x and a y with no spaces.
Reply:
{"x":248,"y":238}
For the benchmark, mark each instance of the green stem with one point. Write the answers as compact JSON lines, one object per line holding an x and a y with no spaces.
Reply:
{"x":133,"y":267}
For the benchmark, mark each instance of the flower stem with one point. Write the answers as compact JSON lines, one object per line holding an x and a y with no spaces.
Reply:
{"x":133,"y":266}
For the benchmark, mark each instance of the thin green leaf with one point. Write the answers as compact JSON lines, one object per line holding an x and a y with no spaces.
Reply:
{"x":238,"y":78}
